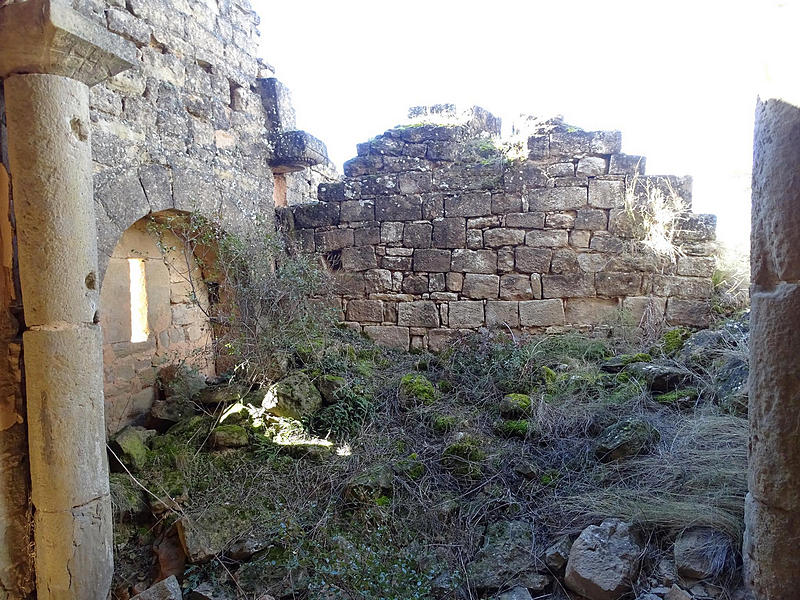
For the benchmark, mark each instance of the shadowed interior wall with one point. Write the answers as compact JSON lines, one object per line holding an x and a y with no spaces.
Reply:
{"x":178,"y":329}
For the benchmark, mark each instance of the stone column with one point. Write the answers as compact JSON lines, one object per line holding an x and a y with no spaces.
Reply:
{"x":772,"y":560}
{"x":49,"y":55}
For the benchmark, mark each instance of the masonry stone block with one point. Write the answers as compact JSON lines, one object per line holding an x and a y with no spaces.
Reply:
{"x":495,"y":238}
{"x":606,"y":193}
{"x":388,"y":335}
{"x":368,"y":234}
{"x":516,"y":287}
{"x":502,"y":313}
{"x":432,"y":206}
{"x":695,"y":228}
{"x":415,"y":283}
{"x":590,"y":262}
{"x":398,"y":208}
{"x":436,"y":282}
{"x":392,"y":232}
{"x":592,"y":219}
{"x":697,"y":266}
{"x":503,"y":204}
{"x":553,"y":199}
{"x":364,"y":311}
{"x":579,"y":239}
{"x":474,"y":261}
{"x":454,"y":281}
{"x":694,"y":313}
{"x":432,"y":260}
{"x":618,"y":284}
{"x":627,"y":164}
{"x":541,"y":313}
{"x":359,"y":258}
{"x":449,"y":232}
{"x":592,"y":165}
{"x":560,"y":220}
{"x":465,"y":314}
{"x":567,"y":286}
{"x":591,"y":311}
{"x":475,"y":204}
{"x":603,"y":241}
{"x":505,"y":260}
{"x":419,"y":313}
{"x":480,"y":286}
{"x":334,"y":239}
{"x":547,"y":238}
{"x":526,"y":220}
{"x":474,"y":239}
{"x":316,"y":214}
{"x":682,"y":287}
{"x":644,"y":309}
{"x":533,"y":260}
{"x":564,"y":261}
{"x":414,"y":183}
{"x":417,"y":235}
{"x":378,"y":280}
{"x":357,"y":210}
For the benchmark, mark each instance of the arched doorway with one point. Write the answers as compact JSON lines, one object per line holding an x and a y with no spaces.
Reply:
{"x":154,"y":312}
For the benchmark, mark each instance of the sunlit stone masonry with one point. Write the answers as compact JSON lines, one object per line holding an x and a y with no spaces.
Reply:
{"x":440,"y":226}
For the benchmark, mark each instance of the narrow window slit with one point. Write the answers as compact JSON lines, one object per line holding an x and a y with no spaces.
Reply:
{"x":140,"y":329}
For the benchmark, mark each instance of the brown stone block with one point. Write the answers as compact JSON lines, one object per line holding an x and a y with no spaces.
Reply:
{"x":553,"y":199}
{"x":465,"y":314}
{"x":541,"y":313}
{"x":618,"y":284}
{"x":359,"y":259}
{"x":415,"y":283}
{"x":516,"y":287}
{"x":500,"y":313}
{"x":334,"y":239}
{"x":417,"y":235}
{"x":567,"y":286}
{"x":398,"y":208}
{"x":481,"y":286}
{"x":364,"y":311}
{"x":693,"y":313}
{"x":474,"y":204}
{"x":697,"y":266}
{"x":546,"y":239}
{"x":388,"y":335}
{"x":420,"y":313}
{"x":591,"y":311}
{"x":357,"y":210}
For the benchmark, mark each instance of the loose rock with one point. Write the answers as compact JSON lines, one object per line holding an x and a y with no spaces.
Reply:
{"x":603,"y":561}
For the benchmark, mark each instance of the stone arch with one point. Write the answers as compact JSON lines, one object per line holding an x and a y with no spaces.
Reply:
{"x":155,"y":306}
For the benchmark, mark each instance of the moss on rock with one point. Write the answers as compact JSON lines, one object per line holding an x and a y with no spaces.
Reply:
{"x":416,"y":389}
{"x":513,"y":406}
{"x":229,"y":436}
{"x":464,"y":458}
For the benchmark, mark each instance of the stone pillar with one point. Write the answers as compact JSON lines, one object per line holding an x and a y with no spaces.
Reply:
{"x":49,"y":55}
{"x":772,"y":511}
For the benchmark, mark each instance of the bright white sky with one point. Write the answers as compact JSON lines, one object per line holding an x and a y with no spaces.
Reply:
{"x":677,"y":77}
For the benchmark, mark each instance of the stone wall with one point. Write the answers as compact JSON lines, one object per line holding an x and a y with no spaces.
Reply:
{"x":178,"y":330}
{"x":198,"y":125}
{"x":437,"y":228}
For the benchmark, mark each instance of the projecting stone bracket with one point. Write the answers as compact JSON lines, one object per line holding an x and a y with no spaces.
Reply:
{"x":47,"y":36}
{"x":295,"y":151}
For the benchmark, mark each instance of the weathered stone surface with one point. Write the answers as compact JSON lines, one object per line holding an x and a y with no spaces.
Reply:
{"x":625,"y":438}
{"x":474,"y":261}
{"x":398,"y":208}
{"x":167,"y":589}
{"x":417,"y":235}
{"x":606,"y":193}
{"x":293,"y":397}
{"x":546,"y":239}
{"x":702,"y":553}
{"x":506,"y":558}
{"x":364,"y":311}
{"x":516,"y":287}
{"x":565,"y":198}
{"x":590,"y":311}
{"x":695,"y":313}
{"x":393,"y":337}
{"x":359,"y":259}
{"x":603,"y":561}
{"x":465,"y":314}
{"x":422,"y":313}
{"x":449,"y":233}
{"x":468,"y":205}
{"x":502,"y":313}
{"x":541,"y":313}
{"x":495,"y":238}
{"x":434,"y":261}
{"x":481,"y":286}
{"x":567,"y":286}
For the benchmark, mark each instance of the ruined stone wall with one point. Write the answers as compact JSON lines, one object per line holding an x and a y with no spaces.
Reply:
{"x":179,"y":332}
{"x":185,"y":129}
{"x":435,"y":229}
